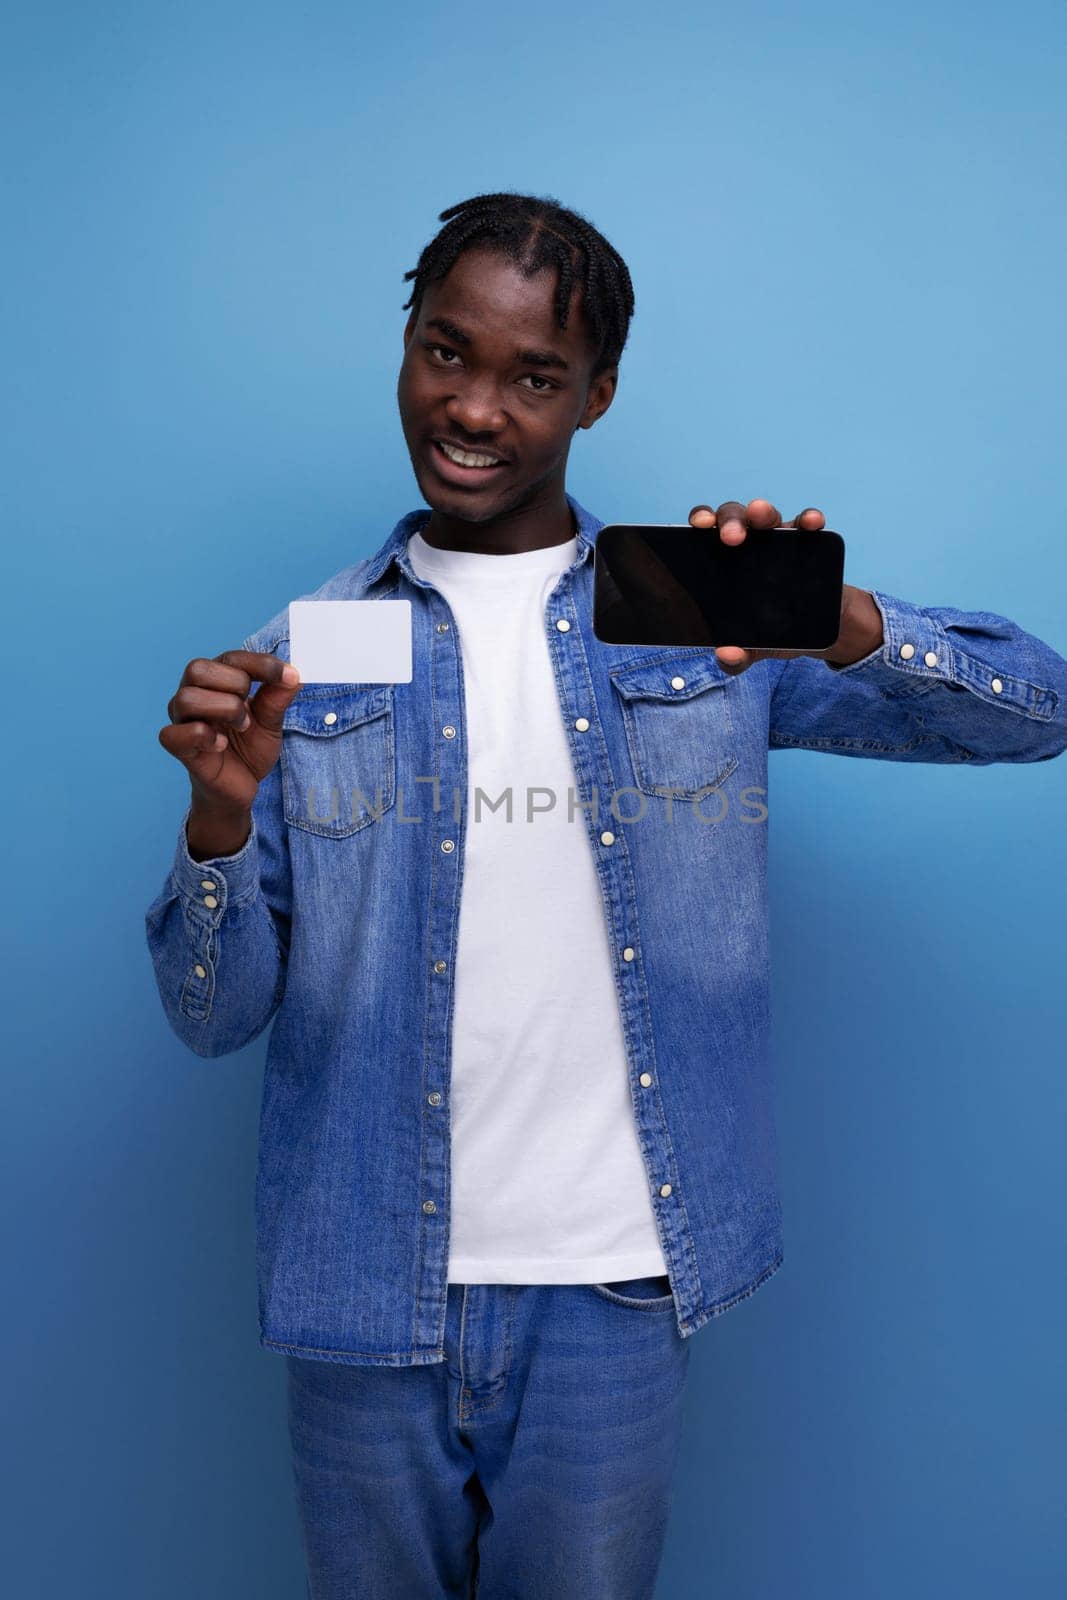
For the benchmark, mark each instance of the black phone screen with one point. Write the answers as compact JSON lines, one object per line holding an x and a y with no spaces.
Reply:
{"x":678,"y":585}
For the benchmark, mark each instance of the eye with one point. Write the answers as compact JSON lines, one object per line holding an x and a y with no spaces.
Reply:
{"x":440,"y":351}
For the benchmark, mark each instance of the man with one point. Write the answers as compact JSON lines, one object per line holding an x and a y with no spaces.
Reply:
{"x":517,"y":1139}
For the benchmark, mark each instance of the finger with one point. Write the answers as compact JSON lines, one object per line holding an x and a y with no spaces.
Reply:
{"x":731,"y":520}
{"x":807,"y":520}
{"x":272,"y":699}
{"x":234,"y":671}
{"x":261,"y":666}
{"x":733,"y":659}
{"x":208,"y":705}
{"x":702,"y":517}
{"x":202,"y":673}
{"x":190,"y":742}
{"x":762,"y":514}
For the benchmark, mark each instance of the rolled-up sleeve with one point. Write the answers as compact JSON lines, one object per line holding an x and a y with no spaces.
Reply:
{"x":945,"y":685}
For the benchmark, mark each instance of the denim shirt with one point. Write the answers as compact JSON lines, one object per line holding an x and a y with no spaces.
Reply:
{"x":338,"y":920}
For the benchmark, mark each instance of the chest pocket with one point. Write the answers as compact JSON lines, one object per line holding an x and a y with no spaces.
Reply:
{"x":338,"y":762}
{"x":677,"y":719}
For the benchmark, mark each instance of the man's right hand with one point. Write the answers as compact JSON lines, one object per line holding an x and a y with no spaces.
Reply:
{"x":227,"y":741}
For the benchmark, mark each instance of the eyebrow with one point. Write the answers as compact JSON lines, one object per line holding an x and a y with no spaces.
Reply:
{"x":531,"y":358}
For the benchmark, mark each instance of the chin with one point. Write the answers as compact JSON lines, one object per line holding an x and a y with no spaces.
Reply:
{"x":464,"y":507}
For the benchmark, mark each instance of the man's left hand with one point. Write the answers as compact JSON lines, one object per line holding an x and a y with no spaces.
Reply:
{"x":861,"y":621}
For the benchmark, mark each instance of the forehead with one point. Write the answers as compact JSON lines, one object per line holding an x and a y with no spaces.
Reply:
{"x":488,"y":296}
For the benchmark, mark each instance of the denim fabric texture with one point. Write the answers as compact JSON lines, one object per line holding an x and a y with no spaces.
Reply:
{"x":537,"y":1459}
{"x":338,"y":920}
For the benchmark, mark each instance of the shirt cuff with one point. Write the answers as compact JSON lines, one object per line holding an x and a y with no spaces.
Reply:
{"x":914,"y":646}
{"x":208,"y":887}
{"x":917,"y":654}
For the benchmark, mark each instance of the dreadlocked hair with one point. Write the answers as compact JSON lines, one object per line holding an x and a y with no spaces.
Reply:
{"x":537,"y":232}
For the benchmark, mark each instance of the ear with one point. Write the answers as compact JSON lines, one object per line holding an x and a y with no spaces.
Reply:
{"x":601,"y":394}
{"x":409,"y":327}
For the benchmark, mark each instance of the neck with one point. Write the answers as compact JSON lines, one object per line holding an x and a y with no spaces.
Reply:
{"x":534,"y":525}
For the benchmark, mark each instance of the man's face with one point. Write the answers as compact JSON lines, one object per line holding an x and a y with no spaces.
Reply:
{"x":468,"y":378}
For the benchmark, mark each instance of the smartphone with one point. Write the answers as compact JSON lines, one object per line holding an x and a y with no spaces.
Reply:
{"x":661,"y":583}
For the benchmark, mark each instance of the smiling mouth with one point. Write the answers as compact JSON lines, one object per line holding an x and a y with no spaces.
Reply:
{"x":467,"y":458}
{"x":464,"y":466}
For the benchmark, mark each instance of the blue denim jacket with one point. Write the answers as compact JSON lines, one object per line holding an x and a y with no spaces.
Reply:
{"x":338,"y":919}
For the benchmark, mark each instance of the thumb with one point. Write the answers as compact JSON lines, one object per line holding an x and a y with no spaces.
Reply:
{"x":272,"y":700}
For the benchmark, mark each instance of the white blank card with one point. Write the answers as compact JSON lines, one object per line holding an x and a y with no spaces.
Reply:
{"x":351,"y":641}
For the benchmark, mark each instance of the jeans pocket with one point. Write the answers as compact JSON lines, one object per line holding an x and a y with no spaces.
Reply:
{"x":642,"y":1294}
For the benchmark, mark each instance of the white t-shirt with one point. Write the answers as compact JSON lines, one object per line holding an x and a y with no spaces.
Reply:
{"x":548,"y":1181}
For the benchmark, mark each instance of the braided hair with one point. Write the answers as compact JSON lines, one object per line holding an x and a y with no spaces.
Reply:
{"x":537,"y":232}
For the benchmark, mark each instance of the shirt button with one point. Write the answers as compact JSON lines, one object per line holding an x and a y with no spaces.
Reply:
{"x":677,"y":683}
{"x":442,"y":627}
{"x":996,"y":686}
{"x":448,"y":845}
{"x":907,"y":651}
{"x":607,"y":838}
{"x":628,"y":954}
{"x":434,"y":1099}
{"x":330,"y":718}
{"x":440,"y":966}
{"x":582,"y":724}
{"x":563,"y":625}
{"x":200,"y":972}
{"x":428,"y":1206}
{"x":646,"y":1079}
{"x":449,"y":731}
{"x":206,"y":883}
{"x":210,"y":902}
{"x":930,"y":658}
{"x":664,"y":1189}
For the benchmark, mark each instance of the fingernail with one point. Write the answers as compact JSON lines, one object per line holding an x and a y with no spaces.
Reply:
{"x":290,"y":674}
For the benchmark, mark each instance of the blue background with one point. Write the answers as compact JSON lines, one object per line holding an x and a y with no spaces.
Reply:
{"x":846,"y":230}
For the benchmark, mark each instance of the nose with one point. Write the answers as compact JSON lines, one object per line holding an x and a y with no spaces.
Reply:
{"x":476,"y":410}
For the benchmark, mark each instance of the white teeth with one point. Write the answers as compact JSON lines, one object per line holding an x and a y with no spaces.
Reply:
{"x":464,"y":458}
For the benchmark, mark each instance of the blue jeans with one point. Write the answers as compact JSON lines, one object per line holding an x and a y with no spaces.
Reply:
{"x":535,"y":1461}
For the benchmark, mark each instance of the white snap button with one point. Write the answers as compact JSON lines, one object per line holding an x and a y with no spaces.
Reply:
{"x":607,"y":838}
{"x":210,"y":902}
{"x":996,"y":686}
{"x":664,"y":1189}
{"x":442,"y":627}
{"x":440,"y":966}
{"x":200,"y":971}
{"x":582,"y":724}
{"x":907,"y":651}
{"x":677,"y":683}
{"x":449,"y":731}
{"x":330,"y":718}
{"x":428,"y":1206}
{"x":563,"y":625}
{"x":628,"y":954}
{"x":930,"y":658}
{"x":448,"y":845}
{"x":434,"y":1098}
{"x":646,"y":1079}
{"x":206,"y":883}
